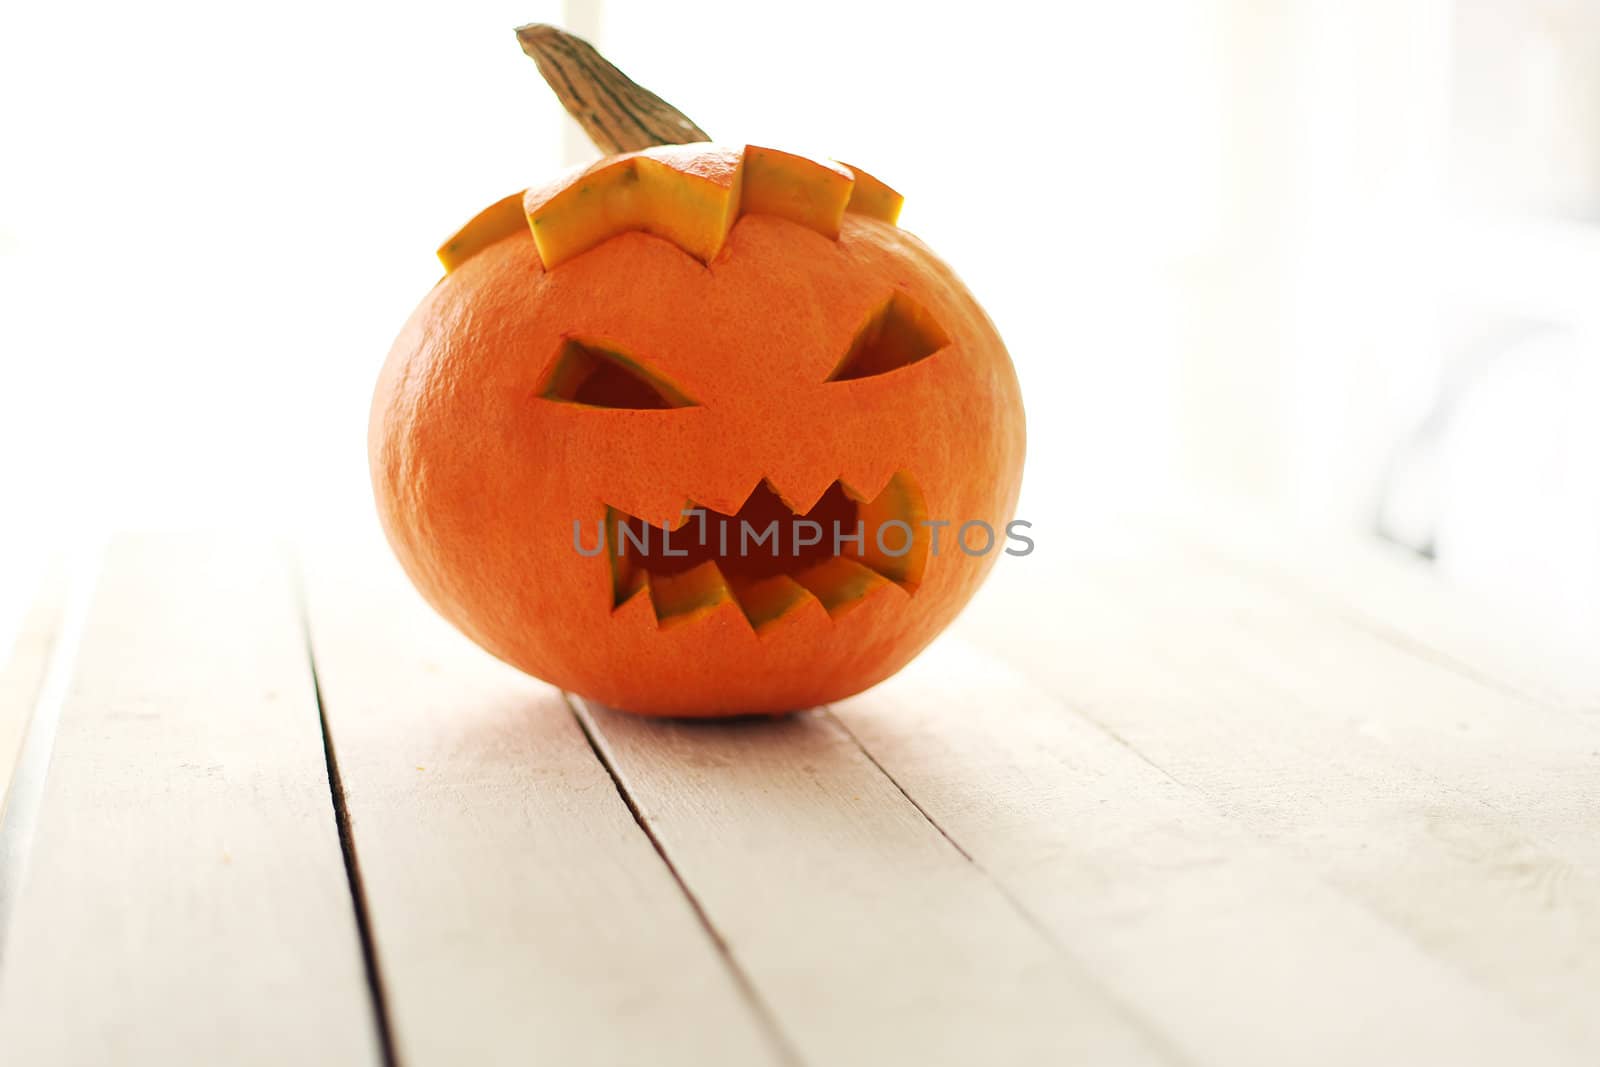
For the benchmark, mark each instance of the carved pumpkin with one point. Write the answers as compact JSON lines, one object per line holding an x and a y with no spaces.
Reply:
{"x":745,"y":332}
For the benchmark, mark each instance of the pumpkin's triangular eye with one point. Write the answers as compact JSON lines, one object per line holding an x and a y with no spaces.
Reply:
{"x":900,"y":332}
{"x":603,"y":378}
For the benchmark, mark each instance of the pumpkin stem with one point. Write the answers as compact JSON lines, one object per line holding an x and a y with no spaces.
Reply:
{"x":617,"y":114}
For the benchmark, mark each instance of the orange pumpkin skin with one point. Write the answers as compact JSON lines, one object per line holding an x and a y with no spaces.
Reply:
{"x":479,"y":476}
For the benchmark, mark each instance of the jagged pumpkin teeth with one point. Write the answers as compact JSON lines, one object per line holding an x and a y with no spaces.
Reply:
{"x":872,"y":198}
{"x":679,"y":597}
{"x":687,"y":194}
{"x":628,"y":578}
{"x":692,"y":195}
{"x":764,"y":575}
{"x":906,"y":548}
{"x":840,"y":583}
{"x":742,"y":331}
{"x":765,"y":600}
{"x":795,"y":188}
{"x":631,"y":582}
{"x":499,"y":220}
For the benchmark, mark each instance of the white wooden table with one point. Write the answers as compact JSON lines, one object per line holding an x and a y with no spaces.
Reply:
{"x":1176,"y":800}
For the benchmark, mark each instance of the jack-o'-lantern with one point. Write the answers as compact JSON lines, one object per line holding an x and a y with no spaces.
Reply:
{"x":695,"y":430}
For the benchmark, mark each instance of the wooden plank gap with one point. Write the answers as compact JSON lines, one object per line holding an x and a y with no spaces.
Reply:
{"x":871,"y":935}
{"x":25,"y":784}
{"x":763,"y":1012}
{"x":23,"y":675}
{"x":517,"y":912}
{"x":1390,"y":595}
{"x":1236,"y":950}
{"x":1430,"y":800}
{"x":1156,"y":1036}
{"x":378,"y":1000}
{"x":1286,"y":583}
{"x":183,"y":898}
{"x":866,"y":752}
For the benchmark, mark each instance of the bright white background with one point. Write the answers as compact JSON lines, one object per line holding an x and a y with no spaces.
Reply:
{"x":1216,"y":234}
{"x":214,"y":221}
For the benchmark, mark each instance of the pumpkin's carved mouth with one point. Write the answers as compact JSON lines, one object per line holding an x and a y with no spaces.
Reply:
{"x":769,"y":559}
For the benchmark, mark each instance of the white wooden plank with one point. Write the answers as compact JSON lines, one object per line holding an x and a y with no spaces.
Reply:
{"x":23,"y":671}
{"x":1241,"y":955}
{"x":872,"y":938}
{"x":518,"y":912}
{"x":185,"y":899}
{"x":1391,"y":592}
{"x":1537,"y":761}
{"x":1151,"y":651}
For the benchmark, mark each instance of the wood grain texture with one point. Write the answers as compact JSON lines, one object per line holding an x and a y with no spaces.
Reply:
{"x":872,"y":938}
{"x":1360,"y":776}
{"x":1240,"y":954}
{"x":185,"y":899}
{"x":1391,"y":593}
{"x":1536,"y":761}
{"x":22,"y":672}
{"x":519,"y":914}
